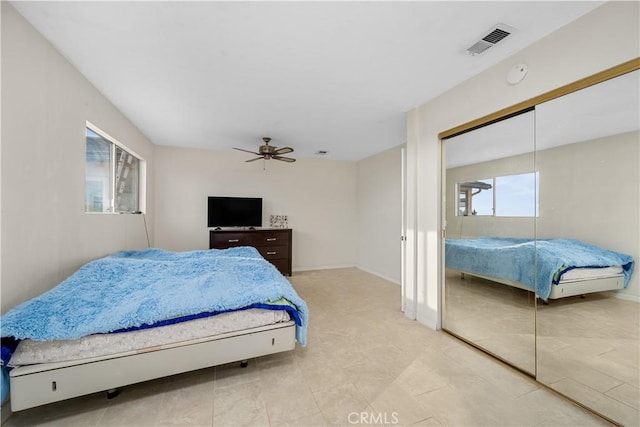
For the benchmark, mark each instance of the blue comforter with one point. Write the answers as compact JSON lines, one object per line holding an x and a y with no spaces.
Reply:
{"x":514,"y":259}
{"x":135,"y":289}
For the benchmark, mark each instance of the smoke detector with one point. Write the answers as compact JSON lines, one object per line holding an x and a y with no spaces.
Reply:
{"x":492,"y":37}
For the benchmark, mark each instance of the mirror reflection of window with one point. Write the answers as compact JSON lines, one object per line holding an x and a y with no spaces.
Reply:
{"x":502,"y":196}
{"x":516,"y":195}
{"x":475,"y":198}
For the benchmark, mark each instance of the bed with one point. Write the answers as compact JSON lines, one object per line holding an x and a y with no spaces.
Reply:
{"x":140,"y":315}
{"x":552,"y":268}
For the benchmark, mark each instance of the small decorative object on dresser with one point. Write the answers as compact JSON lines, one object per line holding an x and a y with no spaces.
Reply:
{"x":274,"y":245}
{"x":278,"y":221}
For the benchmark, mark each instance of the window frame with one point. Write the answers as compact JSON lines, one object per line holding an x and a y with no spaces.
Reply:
{"x":142,"y":167}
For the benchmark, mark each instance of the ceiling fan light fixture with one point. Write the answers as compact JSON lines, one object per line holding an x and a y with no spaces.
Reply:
{"x":268,"y":152}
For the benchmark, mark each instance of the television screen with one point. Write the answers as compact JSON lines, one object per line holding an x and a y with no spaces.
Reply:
{"x":234,"y":212}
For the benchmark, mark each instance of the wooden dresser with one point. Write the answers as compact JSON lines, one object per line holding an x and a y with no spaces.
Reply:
{"x":273,"y":244}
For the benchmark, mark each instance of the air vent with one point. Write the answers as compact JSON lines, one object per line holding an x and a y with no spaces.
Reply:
{"x":493,"y":36}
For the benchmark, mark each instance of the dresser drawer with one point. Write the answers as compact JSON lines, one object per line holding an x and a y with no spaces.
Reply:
{"x":273,"y":252}
{"x":228,"y":240}
{"x":283,"y":265}
{"x":271,"y":238}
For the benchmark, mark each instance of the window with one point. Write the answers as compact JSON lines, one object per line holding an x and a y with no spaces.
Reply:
{"x":507,"y":196}
{"x":112,"y":177}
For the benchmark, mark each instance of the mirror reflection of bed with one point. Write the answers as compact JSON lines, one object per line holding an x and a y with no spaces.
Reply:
{"x":582,"y":338}
{"x":588,"y":348}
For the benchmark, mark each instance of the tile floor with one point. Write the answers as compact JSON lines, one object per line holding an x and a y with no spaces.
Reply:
{"x":365,"y":364}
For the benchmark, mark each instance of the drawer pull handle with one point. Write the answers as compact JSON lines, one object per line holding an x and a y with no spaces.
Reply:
{"x":272,"y":239}
{"x":271,"y":253}
{"x":234,"y":240}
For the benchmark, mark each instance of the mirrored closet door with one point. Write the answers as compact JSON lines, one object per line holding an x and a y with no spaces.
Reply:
{"x":490,"y":202}
{"x":511,"y":201}
{"x":588,"y":160}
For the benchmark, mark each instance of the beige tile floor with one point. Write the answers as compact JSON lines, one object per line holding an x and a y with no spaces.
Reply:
{"x":365,"y":364}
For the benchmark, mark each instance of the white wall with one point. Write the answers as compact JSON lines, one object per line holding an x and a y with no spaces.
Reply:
{"x":46,"y":235}
{"x":379,"y":210}
{"x":562,"y":57}
{"x":317,"y":195}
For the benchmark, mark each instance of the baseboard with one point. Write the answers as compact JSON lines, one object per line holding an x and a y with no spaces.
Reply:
{"x":382,"y":276}
{"x":322,"y":267}
{"x":410,"y":314}
{"x":428,"y":317}
{"x":628,"y":297}
{"x":332,"y":267}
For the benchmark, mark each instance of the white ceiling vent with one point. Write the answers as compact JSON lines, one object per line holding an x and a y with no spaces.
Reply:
{"x":496,"y":34}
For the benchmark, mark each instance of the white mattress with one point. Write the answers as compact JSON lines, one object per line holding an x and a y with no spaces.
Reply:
{"x":591,"y":273}
{"x":31,"y":352}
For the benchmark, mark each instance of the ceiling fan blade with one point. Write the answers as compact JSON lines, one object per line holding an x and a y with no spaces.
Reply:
{"x":247,"y":151}
{"x":283,"y":150}
{"x":284,"y":159}
{"x":253,"y":160}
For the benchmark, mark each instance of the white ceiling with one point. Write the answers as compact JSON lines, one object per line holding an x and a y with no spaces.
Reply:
{"x":335,"y":76}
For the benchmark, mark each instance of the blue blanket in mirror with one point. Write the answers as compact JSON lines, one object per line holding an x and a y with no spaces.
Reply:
{"x":514,"y":259}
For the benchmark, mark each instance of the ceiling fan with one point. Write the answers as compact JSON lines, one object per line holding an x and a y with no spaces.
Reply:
{"x":267,"y":152}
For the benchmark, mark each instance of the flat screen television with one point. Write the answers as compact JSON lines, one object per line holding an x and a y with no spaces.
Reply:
{"x":234,"y":212}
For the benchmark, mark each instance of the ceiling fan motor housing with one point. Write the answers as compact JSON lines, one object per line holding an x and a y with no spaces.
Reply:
{"x":266,"y":149}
